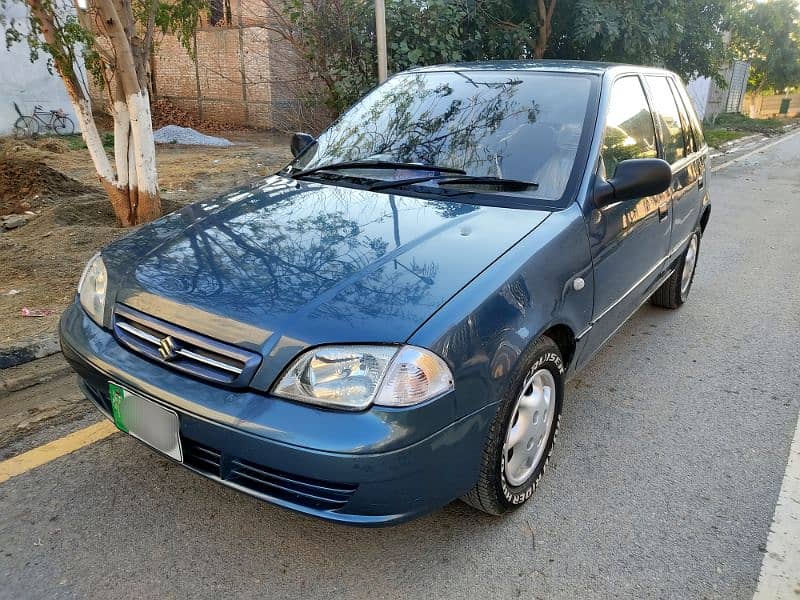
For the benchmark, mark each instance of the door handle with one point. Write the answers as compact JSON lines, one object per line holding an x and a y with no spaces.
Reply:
{"x":663,"y":211}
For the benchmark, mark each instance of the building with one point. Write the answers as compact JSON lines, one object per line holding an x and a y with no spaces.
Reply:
{"x":244,"y":73}
{"x":25,"y":83}
{"x":710,"y":98}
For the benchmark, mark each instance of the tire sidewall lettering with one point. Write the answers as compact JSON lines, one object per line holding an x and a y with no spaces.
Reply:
{"x":519,"y":495}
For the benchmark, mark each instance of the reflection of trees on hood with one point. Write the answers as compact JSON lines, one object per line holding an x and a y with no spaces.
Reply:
{"x":415,"y":121}
{"x":290,"y":261}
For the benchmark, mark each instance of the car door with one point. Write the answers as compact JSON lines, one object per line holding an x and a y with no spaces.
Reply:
{"x":630,"y":239}
{"x":689,"y":213}
{"x":680,"y":149}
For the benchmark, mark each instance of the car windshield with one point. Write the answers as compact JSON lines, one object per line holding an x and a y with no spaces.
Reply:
{"x":523,"y":126}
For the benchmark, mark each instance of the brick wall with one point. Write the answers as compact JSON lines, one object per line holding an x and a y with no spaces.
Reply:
{"x":244,"y":74}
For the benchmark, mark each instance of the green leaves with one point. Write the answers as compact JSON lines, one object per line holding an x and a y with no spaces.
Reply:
{"x":70,"y":36}
{"x":768,"y":35}
{"x":682,"y":35}
{"x":179,"y":17}
{"x":338,"y":38}
{"x":74,"y":40}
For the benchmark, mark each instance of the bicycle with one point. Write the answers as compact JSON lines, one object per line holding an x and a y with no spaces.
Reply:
{"x":29,"y":125}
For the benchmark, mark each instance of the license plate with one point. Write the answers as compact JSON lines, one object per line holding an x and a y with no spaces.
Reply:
{"x":146,"y":420}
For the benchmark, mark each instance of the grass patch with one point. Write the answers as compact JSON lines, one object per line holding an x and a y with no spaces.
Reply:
{"x":740,"y":122}
{"x":75,"y":141}
{"x":717,"y":137}
{"x":730,"y":126}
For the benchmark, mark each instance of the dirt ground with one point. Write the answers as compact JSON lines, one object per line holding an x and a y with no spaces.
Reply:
{"x":70,"y":217}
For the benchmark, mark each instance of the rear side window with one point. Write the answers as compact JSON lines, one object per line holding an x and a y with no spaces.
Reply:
{"x":629,"y":131}
{"x":693,"y":120}
{"x":667,"y":111}
{"x":687,"y":128}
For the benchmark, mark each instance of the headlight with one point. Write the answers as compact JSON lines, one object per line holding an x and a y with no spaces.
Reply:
{"x":92,"y":289}
{"x":353,"y":377}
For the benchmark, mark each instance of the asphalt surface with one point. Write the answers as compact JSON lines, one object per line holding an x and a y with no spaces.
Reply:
{"x":663,"y":484}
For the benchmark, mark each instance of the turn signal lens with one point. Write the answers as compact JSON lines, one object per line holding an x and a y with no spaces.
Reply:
{"x":415,"y":375}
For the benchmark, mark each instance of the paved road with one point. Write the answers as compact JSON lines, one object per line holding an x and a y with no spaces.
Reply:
{"x":663,"y":484}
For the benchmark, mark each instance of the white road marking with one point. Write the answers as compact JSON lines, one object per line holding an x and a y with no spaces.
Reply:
{"x":759,"y":149}
{"x":780,"y":569}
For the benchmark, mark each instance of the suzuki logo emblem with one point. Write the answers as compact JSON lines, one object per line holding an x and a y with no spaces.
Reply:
{"x":168,"y":349}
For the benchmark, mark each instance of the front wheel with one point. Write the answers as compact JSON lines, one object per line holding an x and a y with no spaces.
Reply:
{"x":63,"y":126}
{"x":26,"y":127}
{"x":675,"y":290}
{"x":522,"y":434}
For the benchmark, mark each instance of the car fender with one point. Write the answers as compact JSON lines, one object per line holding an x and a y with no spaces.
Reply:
{"x":542,"y":281}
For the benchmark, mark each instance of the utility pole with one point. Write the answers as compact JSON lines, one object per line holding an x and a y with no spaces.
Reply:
{"x":380,"y":35}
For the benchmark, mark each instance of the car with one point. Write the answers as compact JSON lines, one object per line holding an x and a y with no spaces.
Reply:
{"x":387,"y":324}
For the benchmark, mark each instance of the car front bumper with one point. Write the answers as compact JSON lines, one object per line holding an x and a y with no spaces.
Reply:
{"x":356,"y":468}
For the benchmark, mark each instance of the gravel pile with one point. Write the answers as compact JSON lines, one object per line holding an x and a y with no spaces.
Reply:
{"x":173,"y":134}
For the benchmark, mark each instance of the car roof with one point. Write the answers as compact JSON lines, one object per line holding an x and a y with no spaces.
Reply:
{"x":573,"y":66}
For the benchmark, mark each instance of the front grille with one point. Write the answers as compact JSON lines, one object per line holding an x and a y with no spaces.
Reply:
{"x":184,"y":350}
{"x":265,"y":481}
{"x":203,"y":458}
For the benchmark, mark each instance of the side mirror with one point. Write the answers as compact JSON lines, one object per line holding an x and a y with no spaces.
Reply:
{"x":301,"y":141}
{"x":634,"y":178}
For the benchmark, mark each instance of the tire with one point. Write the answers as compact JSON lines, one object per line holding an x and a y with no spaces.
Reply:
{"x":26,"y":127}
{"x":502,"y":486}
{"x":63,"y":126}
{"x":675,"y":290}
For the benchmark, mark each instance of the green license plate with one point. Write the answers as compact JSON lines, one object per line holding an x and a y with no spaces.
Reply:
{"x":146,"y":420}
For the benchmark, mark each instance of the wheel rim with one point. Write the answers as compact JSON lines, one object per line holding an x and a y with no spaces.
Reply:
{"x":689,"y":263}
{"x":63,"y":126}
{"x":529,"y":427}
{"x":25,"y":127}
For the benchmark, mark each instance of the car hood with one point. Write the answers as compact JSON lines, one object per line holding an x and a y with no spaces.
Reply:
{"x":282,"y":265}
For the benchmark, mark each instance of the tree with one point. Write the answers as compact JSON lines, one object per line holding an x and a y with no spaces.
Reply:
{"x":768,"y":35}
{"x":113,"y":38}
{"x":333,"y":42}
{"x":686,"y":36}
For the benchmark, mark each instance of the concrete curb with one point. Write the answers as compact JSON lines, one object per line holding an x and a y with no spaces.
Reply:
{"x":29,"y":349}
{"x":23,"y":377}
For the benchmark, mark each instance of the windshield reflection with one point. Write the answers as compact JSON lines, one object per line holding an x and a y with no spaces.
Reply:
{"x":523,"y":126}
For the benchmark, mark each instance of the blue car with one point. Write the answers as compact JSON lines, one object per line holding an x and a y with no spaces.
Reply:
{"x":387,"y":324}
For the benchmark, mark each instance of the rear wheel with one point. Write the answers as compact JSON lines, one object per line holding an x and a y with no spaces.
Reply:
{"x":63,"y":126}
{"x":522,"y":434}
{"x":675,"y":290}
{"x":26,"y":127}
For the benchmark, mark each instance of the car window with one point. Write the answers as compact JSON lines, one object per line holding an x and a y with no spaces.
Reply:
{"x":688,"y":135}
{"x":629,"y":131}
{"x":507,"y":124}
{"x":697,"y":130}
{"x":667,"y":111}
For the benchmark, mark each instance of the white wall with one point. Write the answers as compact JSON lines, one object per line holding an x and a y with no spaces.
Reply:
{"x":699,"y":90}
{"x":25,"y":83}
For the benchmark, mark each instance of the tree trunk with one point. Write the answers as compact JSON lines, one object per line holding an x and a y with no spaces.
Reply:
{"x":545,"y":22}
{"x":83,"y":109}
{"x":133,"y":192}
{"x":131,"y":75}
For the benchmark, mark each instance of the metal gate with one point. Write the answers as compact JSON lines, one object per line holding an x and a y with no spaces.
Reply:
{"x":737,"y":86}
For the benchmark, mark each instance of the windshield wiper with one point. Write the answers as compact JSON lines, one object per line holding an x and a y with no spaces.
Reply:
{"x":377,"y":164}
{"x":509,"y":184}
{"x":506,"y":184}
